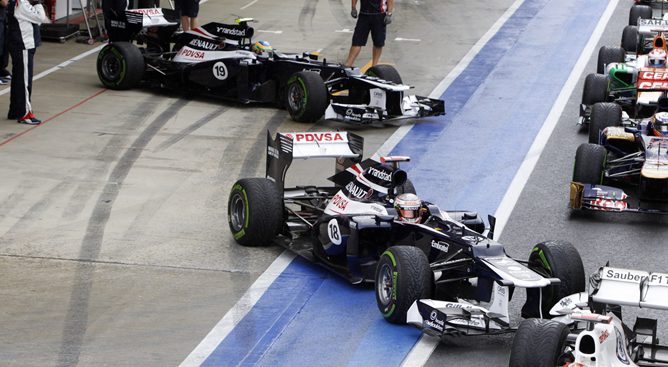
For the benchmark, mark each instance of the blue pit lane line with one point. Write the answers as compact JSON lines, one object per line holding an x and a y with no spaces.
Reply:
{"x":465,"y":159}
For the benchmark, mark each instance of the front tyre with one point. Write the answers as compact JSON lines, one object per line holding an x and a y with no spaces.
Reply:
{"x":120,"y":65}
{"x":595,"y":89}
{"x":307,"y":96}
{"x":589,"y":164}
{"x":254,"y":211}
{"x":554,"y":259}
{"x":538,"y":343}
{"x":603,"y":115}
{"x":608,"y":55}
{"x":403,"y":276}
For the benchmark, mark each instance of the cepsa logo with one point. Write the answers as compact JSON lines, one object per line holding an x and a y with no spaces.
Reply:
{"x":317,"y":137}
{"x":650,"y":79}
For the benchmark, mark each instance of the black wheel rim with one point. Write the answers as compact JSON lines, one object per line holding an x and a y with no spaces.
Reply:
{"x":237,"y":212}
{"x":296,"y":97}
{"x":111,"y":67}
{"x":385,"y":285}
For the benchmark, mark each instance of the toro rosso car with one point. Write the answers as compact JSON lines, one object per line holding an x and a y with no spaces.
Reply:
{"x":438,"y":270}
{"x":221,"y":61}
{"x":588,"y":331}
{"x":626,"y":152}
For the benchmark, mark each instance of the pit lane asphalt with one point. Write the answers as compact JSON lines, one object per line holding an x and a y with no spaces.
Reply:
{"x":542,"y":213}
{"x":114,"y":248}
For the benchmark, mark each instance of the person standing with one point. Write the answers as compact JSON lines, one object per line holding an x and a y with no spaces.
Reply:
{"x":23,"y":35}
{"x":5,"y":75}
{"x":373,"y":17}
{"x":188,"y":10}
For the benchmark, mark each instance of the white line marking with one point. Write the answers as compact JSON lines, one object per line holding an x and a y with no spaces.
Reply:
{"x":344,"y":30}
{"x":425,"y":346}
{"x":249,"y":4}
{"x":408,"y":39}
{"x":267,"y":31}
{"x":238,"y":311}
{"x":522,"y":176}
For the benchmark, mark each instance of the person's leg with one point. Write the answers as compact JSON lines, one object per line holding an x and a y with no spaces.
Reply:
{"x":31,"y":58}
{"x":352,"y":55}
{"x":193,"y":12}
{"x":378,"y":31}
{"x":194,"y":23}
{"x":185,"y":23}
{"x":375,"y":58}
{"x":16,"y":95}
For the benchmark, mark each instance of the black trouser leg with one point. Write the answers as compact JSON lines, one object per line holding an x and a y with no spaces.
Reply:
{"x":19,"y":100}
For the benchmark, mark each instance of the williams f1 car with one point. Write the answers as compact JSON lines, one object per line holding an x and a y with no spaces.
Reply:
{"x":216,"y":59}
{"x":587,"y":328}
{"x":440,"y":270}
{"x":627,"y":152}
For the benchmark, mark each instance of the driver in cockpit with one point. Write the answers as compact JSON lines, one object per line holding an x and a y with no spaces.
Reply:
{"x":409,"y":208}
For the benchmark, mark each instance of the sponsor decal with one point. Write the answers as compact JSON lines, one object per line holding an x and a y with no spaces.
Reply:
{"x":231,"y":31}
{"x":440,"y":245}
{"x":334,"y":231}
{"x":660,"y":22}
{"x":454,"y":305}
{"x":352,"y":115}
{"x":147,"y":11}
{"x":658,"y":279}
{"x":203,"y":44}
{"x":381,"y":174}
{"x":220,"y":70}
{"x":340,"y":202}
{"x":434,"y":321}
{"x":357,"y":191}
{"x":622,"y":356}
{"x":272,"y":152}
{"x":117,"y":24}
{"x":604,"y":335}
{"x":565,"y":302}
{"x":653,"y":79}
{"x":193,"y":54}
{"x":615,"y":274}
{"x":317,"y":137}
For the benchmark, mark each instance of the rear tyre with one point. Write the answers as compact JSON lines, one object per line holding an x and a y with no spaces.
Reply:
{"x":630,"y":38}
{"x":639,"y":11}
{"x":595,"y":89}
{"x":589,"y":164}
{"x":603,"y":115}
{"x":554,"y":259}
{"x":255,"y":211}
{"x":120,"y":65}
{"x":402,"y":277}
{"x":538,"y":343}
{"x":306,"y":96}
{"x":608,"y":55}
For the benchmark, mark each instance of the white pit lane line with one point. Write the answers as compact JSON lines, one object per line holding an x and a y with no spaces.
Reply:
{"x":248,"y":5}
{"x":423,"y":349}
{"x":401,"y":39}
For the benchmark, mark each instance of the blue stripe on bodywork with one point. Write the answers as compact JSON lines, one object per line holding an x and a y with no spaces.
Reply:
{"x":465,"y":159}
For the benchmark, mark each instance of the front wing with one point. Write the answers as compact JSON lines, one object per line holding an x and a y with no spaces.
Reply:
{"x":603,"y":198}
{"x":411,"y":107}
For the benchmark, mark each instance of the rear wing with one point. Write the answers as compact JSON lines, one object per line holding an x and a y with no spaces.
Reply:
{"x":636,"y":288}
{"x":652,"y":25}
{"x":285,"y":147}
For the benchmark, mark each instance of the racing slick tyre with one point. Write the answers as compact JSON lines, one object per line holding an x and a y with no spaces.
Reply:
{"x":589,"y":164}
{"x":538,"y":343}
{"x":403,"y":276}
{"x":307,"y":96}
{"x":254,"y":211}
{"x":630,"y":38}
{"x":608,"y":55}
{"x":389,"y":73}
{"x":639,"y":11}
{"x":553,"y":259}
{"x":120,"y":65}
{"x":603,"y":115}
{"x":595,"y":89}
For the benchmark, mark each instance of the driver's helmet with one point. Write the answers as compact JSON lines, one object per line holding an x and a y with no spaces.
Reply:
{"x":657,"y":58}
{"x":660,"y":124}
{"x":408,"y":207}
{"x":262,"y":48}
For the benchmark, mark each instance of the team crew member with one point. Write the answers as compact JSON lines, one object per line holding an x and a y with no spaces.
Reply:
{"x":374,"y":16}
{"x":24,"y":19}
{"x":188,"y":9}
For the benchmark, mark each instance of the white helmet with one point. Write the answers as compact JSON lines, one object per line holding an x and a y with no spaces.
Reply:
{"x":408,"y":207}
{"x":657,"y":58}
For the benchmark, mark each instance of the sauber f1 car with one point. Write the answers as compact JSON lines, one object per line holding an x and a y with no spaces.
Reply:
{"x":626,"y":152}
{"x":587,"y":328}
{"x":440,"y":270}
{"x":216,"y":59}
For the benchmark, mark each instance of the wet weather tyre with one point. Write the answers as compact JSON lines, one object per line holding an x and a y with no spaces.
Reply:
{"x":554,"y":259}
{"x":603,"y":115}
{"x":120,"y":65}
{"x":254,"y":211}
{"x":389,"y":73}
{"x":639,"y":11}
{"x":403,"y":276}
{"x":589,"y":164}
{"x":630,"y":38}
{"x":538,"y":343}
{"x":608,"y":55}
{"x":306,"y":96}
{"x":595,"y":89}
